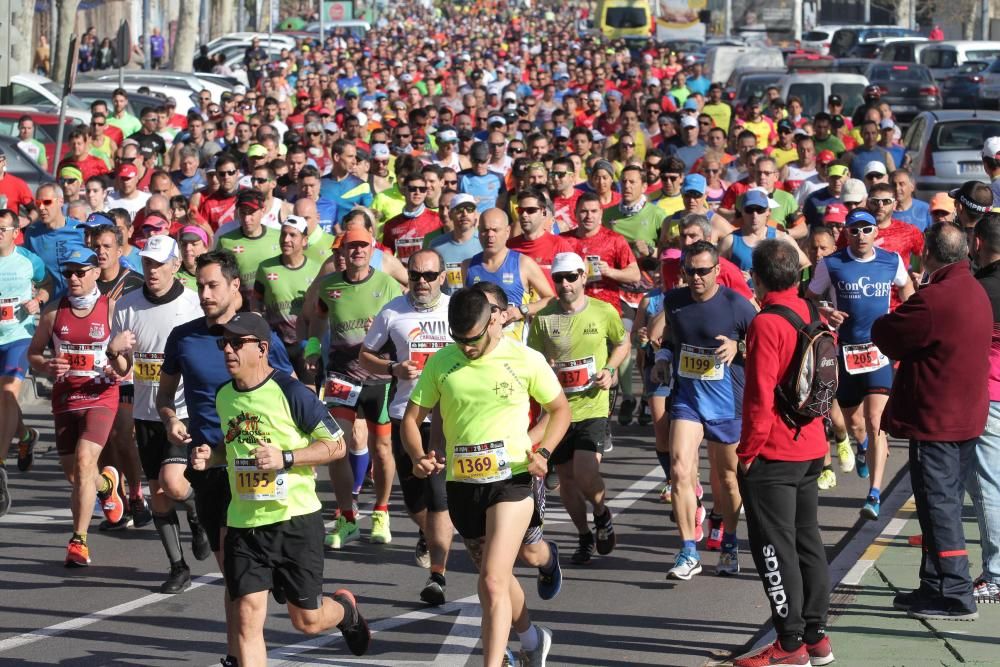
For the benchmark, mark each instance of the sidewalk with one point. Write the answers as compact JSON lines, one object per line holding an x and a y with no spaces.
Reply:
{"x":866,"y":630}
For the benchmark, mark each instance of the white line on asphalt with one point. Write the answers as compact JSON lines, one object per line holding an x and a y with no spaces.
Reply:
{"x":861,"y":567}
{"x":83,"y":621}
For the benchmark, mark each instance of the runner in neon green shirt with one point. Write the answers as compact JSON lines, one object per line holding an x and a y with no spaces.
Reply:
{"x":251,"y":241}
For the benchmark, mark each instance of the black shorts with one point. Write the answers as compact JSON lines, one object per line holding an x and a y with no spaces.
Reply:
{"x":285,"y":556}
{"x":467,"y":503}
{"x":418,"y":494}
{"x":155,"y":447}
{"x":372,"y":406}
{"x":126,"y":393}
{"x":586,"y":435}
{"x":211,"y":498}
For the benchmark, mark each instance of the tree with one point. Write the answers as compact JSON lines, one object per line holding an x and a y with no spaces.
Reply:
{"x":222,"y":17}
{"x":22,"y":48}
{"x":64,"y":30}
{"x":187,"y":35}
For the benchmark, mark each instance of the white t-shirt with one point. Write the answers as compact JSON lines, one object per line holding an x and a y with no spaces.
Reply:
{"x":151,"y":324}
{"x":415,"y":334}
{"x":133,"y":205}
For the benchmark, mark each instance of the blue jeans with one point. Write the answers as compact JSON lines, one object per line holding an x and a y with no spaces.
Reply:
{"x":984,"y":487}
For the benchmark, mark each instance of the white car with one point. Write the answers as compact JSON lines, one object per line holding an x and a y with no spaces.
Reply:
{"x":180,"y":80}
{"x":39,"y":91}
{"x":818,"y":39}
{"x":246,"y":38}
{"x":945,"y":148}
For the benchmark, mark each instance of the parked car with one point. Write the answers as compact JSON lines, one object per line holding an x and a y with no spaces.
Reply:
{"x":846,"y":38}
{"x":184,"y":97}
{"x":246,"y":39}
{"x":748,"y":81}
{"x":183,"y":80}
{"x":814,"y":89}
{"x":943,"y":58}
{"x":720,"y":61}
{"x":945,"y":148}
{"x":33,"y":90}
{"x":907,"y":88}
{"x":91,"y":92}
{"x":819,"y":38}
{"x":21,"y":165}
{"x":808,"y":62}
{"x":963,"y":89}
{"x":903,"y":49}
{"x":46,"y":123}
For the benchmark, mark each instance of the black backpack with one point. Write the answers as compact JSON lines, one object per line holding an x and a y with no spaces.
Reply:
{"x":810,"y":384}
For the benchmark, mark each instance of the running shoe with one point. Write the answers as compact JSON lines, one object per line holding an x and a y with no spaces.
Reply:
{"x":112,"y":502}
{"x":433,"y":592}
{"x":508,"y":659}
{"x":178,"y":581}
{"x":354,"y":627}
{"x":604,"y":529}
{"x":344,"y":531}
{"x":714,"y":541}
{"x":127,"y":522}
{"x":985,"y":592}
{"x":870,"y":509}
{"x":827,"y":479}
{"x":549,"y":584}
{"x":4,"y":492}
{"x":421,"y":553}
{"x":861,"y":460}
{"x":77,"y":554}
{"x":380,"y":528}
{"x":729,"y":563}
{"x":551,"y":480}
{"x":773,"y":654}
{"x":699,"y":522}
{"x":820,"y":653}
{"x":666,"y":494}
{"x":199,"y":539}
{"x":26,"y":450}
{"x":537,"y":657}
{"x":645,"y":417}
{"x":845,"y":455}
{"x":584,"y":550}
{"x":685,"y":566}
{"x":625,"y":412}
{"x":139,"y":508}
{"x":609,"y":443}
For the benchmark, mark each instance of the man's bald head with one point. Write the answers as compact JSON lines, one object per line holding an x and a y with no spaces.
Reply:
{"x":305,"y":207}
{"x":945,"y":243}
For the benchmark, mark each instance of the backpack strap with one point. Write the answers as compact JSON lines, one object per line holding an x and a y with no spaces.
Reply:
{"x":788,"y":314}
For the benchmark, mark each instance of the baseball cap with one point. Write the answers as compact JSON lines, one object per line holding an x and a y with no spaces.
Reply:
{"x":597,"y":136}
{"x":160,"y":249}
{"x":78,"y":256}
{"x":127,"y":171}
{"x":975,"y":196}
{"x":380,"y":152}
{"x":70,"y":171}
{"x":652,"y":81}
{"x":252,"y":199}
{"x":331,"y":127}
{"x":448,"y":136}
{"x":97,"y":219}
{"x":614,"y":94}
{"x":834,"y":99}
{"x":596,"y":96}
{"x":461,"y":198}
{"x":296,"y":222}
{"x":689,"y":121}
{"x":561,"y":132}
{"x":155,"y":221}
{"x":355,"y":235}
{"x":256,"y":150}
{"x":835,"y":214}
{"x":755,"y":197}
{"x":248,"y":324}
{"x":826,"y":157}
{"x":991,"y":148}
{"x":193,"y":233}
{"x":690,"y":105}
{"x":567,"y":262}
{"x":875,"y":167}
{"x":942,"y":201}
{"x":837,"y":171}
{"x":859,"y":216}
{"x":314,"y":127}
{"x":496,"y":119}
{"x":854,"y":191}
{"x":785,"y":124}
{"x":753,"y":101}
{"x":693,"y":183}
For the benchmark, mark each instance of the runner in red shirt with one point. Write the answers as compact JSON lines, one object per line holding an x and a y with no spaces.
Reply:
{"x":14,"y":192}
{"x":609,"y":258}
{"x":219,"y":207}
{"x":534,"y":241}
{"x":84,"y":395}
{"x":79,"y":156}
{"x":404,"y":234}
{"x":564,"y":194}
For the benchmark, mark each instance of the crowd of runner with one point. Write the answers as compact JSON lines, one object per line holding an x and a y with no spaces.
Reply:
{"x":449,"y":255}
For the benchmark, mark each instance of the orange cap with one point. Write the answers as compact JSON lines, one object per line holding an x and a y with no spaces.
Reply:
{"x":942,"y":202}
{"x":357,"y":234}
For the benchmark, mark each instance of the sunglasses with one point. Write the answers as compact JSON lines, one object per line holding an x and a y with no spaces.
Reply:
{"x":260,"y":180}
{"x":472,"y":340}
{"x":79,"y":273}
{"x":492,"y":145}
{"x":670,"y":177}
{"x":44,"y":202}
{"x":235,"y":343}
{"x":530,"y":210}
{"x":67,"y":181}
{"x":558,"y":174}
{"x":227,"y":172}
{"x":416,"y":188}
{"x":858,"y":231}
{"x":713,"y":171}
{"x":315,"y":134}
{"x":756,"y":210}
{"x":699,"y":271}
{"x":428,"y":276}
{"x":566,"y":277}
{"x":883,"y":202}
{"x":98,"y":124}
{"x":628,"y":145}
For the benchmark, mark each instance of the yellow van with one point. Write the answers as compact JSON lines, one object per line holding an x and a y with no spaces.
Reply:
{"x":624,"y":19}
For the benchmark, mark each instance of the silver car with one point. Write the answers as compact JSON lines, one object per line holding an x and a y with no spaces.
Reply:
{"x":944,"y":148}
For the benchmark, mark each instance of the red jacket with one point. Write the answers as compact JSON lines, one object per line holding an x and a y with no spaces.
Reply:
{"x":941,"y":337}
{"x":771,"y":342}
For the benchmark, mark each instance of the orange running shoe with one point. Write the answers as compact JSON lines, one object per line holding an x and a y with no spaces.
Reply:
{"x":77,"y":554}
{"x":112,"y":502}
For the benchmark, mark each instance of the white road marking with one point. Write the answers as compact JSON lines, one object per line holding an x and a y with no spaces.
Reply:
{"x":83,"y":621}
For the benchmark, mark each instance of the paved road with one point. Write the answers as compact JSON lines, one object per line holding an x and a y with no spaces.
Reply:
{"x":618,"y":611}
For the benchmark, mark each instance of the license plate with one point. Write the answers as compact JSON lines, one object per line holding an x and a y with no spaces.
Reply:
{"x":953,"y":100}
{"x":904,"y":108}
{"x":971,"y":168}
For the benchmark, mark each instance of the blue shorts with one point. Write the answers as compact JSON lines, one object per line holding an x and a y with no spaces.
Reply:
{"x":726,"y":431}
{"x":14,"y":359}
{"x":852,"y":389}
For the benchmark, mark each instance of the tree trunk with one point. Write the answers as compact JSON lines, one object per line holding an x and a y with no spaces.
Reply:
{"x":23,"y":46}
{"x":222,"y":15}
{"x":187,"y":35}
{"x":65,"y":29}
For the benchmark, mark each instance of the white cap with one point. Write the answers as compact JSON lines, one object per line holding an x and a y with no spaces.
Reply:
{"x":160,"y":249}
{"x":596,"y":96}
{"x":689,"y":121}
{"x":380,"y":152}
{"x":447,"y":136}
{"x":496,"y":120}
{"x":876,"y":167}
{"x":853,"y":191}
{"x":991,"y":148}
{"x":510,"y":95}
{"x":331,"y":127}
{"x":239,"y":89}
{"x":297,"y":222}
{"x":652,"y":81}
{"x":461,"y":198}
{"x":568,"y":262}
{"x":887,"y":124}
{"x":406,"y":78}
{"x":770,"y":202}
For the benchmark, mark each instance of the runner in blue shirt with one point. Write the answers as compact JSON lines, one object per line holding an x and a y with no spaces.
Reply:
{"x":486,"y":186}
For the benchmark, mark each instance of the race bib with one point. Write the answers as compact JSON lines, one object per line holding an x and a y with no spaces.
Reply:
{"x":146,"y":367}
{"x":453,"y":275}
{"x":593,"y":268}
{"x":863,"y":358}
{"x":86,"y":360}
{"x":422,"y":350}
{"x":577,"y":375}
{"x":339,"y":390}
{"x":8,"y":310}
{"x":699,"y":363}
{"x":480,"y":464}
{"x":254,"y":484}
{"x":408,"y":246}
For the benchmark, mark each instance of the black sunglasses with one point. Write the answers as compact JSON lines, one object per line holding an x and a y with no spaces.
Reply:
{"x":79,"y":273}
{"x":428,"y":276}
{"x":566,"y":277}
{"x":236,"y":343}
{"x":472,"y":340}
{"x":702,"y":271}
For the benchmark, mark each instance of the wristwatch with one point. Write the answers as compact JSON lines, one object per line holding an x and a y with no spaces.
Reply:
{"x":392,"y":367}
{"x":544,"y":453}
{"x":288,"y":458}
{"x":524,"y":309}
{"x":741,"y":347}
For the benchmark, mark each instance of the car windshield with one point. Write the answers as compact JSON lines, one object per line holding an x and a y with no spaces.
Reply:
{"x":626,"y":17}
{"x":72,"y":101}
{"x":982,"y":55}
{"x":966,"y":135}
{"x":755,"y":86}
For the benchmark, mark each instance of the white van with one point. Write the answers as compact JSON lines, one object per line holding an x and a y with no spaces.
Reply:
{"x":720,"y":61}
{"x":943,"y":58}
{"x":814,"y":89}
